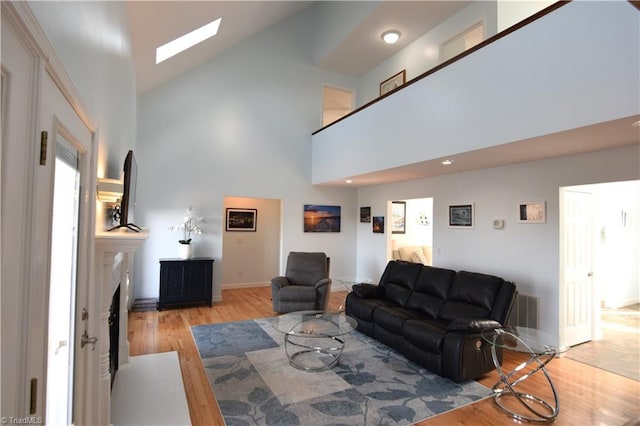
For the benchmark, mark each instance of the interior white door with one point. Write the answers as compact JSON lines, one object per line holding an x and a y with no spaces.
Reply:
{"x":576,"y":280}
{"x":62,"y":243}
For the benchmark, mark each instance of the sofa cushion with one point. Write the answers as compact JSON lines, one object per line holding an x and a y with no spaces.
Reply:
{"x":399,"y":281}
{"x":364,"y":308}
{"x":427,"y":335}
{"x":392,"y":318}
{"x":475,"y":288}
{"x":430,"y":290}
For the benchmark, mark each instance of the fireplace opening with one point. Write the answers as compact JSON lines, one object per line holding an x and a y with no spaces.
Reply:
{"x":114,"y":333}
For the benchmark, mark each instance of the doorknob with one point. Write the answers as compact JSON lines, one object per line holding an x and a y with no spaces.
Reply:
{"x":85,"y":339}
{"x":589,"y":274}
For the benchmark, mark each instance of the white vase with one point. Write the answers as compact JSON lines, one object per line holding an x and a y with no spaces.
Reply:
{"x":185,"y":251}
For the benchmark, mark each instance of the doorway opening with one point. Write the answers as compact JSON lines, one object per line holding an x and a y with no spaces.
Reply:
{"x":63,"y":282}
{"x":612,"y":305}
{"x":463,"y":41}
{"x":336,"y":103}
{"x":410,"y":230}
{"x":251,"y":256}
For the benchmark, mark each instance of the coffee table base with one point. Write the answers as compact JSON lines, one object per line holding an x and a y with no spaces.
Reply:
{"x":313,"y":352}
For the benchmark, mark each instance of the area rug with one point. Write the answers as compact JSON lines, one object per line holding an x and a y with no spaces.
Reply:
{"x":371,"y":385}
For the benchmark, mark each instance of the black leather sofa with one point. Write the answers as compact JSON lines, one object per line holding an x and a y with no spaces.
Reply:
{"x":434,"y":316}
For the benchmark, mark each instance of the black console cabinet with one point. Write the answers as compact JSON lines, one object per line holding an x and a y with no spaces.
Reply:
{"x":185,"y":282}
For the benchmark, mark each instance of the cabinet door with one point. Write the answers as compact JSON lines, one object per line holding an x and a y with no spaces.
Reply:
{"x":172,"y":282}
{"x":199,"y":282}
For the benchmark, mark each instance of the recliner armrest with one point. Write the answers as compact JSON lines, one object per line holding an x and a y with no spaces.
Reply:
{"x":466,"y":324}
{"x":280,"y":282}
{"x":368,"y":291}
{"x":323,"y":282}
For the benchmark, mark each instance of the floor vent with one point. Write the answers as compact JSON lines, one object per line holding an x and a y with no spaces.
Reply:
{"x":525,"y":312}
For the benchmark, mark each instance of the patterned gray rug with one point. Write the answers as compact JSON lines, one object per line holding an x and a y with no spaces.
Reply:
{"x":371,"y":385}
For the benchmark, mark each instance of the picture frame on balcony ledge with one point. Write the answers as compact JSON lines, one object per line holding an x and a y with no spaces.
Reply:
{"x":393,"y":82}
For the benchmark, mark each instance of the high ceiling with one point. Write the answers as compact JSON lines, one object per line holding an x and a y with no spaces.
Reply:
{"x":154,"y":23}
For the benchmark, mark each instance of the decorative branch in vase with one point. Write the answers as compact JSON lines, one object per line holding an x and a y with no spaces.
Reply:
{"x":188,"y":226}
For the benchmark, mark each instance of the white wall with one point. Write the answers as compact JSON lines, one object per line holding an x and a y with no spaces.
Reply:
{"x":239,"y":126}
{"x":510,"y":11}
{"x":490,"y":97}
{"x":616,"y":242}
{"x":92,"y":40}
{"x":524,"y":253}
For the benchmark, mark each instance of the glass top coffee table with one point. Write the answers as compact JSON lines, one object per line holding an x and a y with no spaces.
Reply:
{"x":539,"y":345}
{"x":312,"y":338}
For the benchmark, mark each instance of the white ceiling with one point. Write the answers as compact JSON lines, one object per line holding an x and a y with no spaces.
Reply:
{"x":153,"y":23}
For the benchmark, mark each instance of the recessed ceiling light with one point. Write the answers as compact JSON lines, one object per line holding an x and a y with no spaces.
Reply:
{"x":447,"y":162}
{"x":391,"y":36}
{"x":636,"y":123}
{"x":348,"y":181}
{"x":186,"y":41}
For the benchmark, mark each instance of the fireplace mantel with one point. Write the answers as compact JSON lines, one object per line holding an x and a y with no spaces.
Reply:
{"x":113,"y":267}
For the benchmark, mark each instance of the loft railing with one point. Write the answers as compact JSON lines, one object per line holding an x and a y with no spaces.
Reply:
{"x":467,"y":52}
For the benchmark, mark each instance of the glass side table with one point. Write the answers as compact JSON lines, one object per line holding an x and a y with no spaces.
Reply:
{"x":349,"y":282}
{"x":536,"y":343}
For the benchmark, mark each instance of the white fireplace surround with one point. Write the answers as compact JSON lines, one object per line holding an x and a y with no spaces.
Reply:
{"x":113,"y":267}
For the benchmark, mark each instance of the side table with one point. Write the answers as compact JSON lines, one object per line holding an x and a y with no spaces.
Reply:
{"x":349,"y":282}
{"x":185,"y":282}
{"x":537,"y":344}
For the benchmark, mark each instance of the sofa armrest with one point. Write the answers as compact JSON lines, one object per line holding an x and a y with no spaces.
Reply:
{"x":368,"y":291}
{"x":473,"y":325}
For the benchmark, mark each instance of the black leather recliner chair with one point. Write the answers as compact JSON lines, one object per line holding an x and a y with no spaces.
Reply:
{"x":434,"y":316}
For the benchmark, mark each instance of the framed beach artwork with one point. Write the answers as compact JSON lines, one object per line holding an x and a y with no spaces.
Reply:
{"x":319,"y":218}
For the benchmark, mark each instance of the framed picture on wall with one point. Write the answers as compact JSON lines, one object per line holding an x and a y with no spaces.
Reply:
{"x":318,"y":218}
{"x":242,"y":220}
{"x":378,"y":224}
{"x":461,"y":216}
{"x":398,"y":217}
{"x":365,"y":214}
{"x":532,"y":212}
{"x":393,"y":82}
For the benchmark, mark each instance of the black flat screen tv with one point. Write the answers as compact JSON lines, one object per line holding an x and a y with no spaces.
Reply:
{"x":128,"y":202}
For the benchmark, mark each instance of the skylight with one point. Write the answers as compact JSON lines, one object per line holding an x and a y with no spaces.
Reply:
{"x":186,"y":41}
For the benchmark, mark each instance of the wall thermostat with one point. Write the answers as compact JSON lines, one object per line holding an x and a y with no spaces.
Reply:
{"x":498,"y":223}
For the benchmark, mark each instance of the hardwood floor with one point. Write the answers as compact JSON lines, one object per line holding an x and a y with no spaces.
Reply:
{"x":588,"y":396}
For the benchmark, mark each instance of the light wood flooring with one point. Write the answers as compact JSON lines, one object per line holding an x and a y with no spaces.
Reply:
{"x":588,"y":395}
